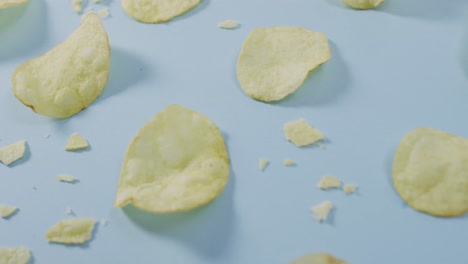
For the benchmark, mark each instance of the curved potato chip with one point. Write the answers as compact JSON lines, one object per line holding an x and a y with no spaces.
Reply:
{"x":76,"y":142}
{"x":318,"y":258}
{"x":7,"y":210}
{"x":71,"y":231}
{"x":13,"y":152}
{"x":16,"y":255}
{"x":8,"y":3}
{"x":157,"y":11}
{"x":363,"y":4}
{"x":430,"y":172}
{"x":176,"y":162}
{"x":69,"y":77}
{"x":275,"y":61}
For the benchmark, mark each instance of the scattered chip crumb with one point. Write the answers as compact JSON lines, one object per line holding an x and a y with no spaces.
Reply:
{"x":7,"y":210}
{"x":104,"y":13}
{"x":13,"y":152}
{"x":71,"y":231}
{"x":69,"y":211}
{"x":15,"y":255}
{"x":76,"y":142}
{"x":263,"y":163}
{"x":321,"y":145}
{"x":103,"y":222}
{"x":228,"y":24}
{"x":350,"y":188}
{"x":76,"y":4}
{"x":329,"y":182}
{"x":321,"y":211}
{"x":47,"y":136}
{"x":66,"y":178}
{"x":300,"y":133}
{"x":289,"y":162}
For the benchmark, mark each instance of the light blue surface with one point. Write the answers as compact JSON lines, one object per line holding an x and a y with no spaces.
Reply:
{"x":393,"y":69}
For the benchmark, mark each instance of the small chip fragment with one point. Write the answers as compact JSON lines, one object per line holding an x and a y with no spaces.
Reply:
{"x":363,"y":4}
{"x":157,"y":11}
{"x":228,"y":24}
{"x":71,"y":231}
{"x":318,"y":258}
{"x":69,"y":211}
{"x":263,"y":163}
{"x":350,"y":188}
{"x":329,"y":182}
{"x":104,"y":13}
{"x":301,"y":133}
{"x":103,"y":222}
{"x":76,"y":142}
{"x":66,"y":178}
{"x":15,"y":255}
{"x":322,"y":211}
{"x":9,"y":3}
{"x":13,"y":152}
{"x":76,"y":4}
{"x":7,"y":210}
{"x":289,"y":162}
{"x":275,"y":61}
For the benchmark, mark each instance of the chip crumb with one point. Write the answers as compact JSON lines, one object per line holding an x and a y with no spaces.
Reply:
{"x":228,"y":24}
{"x":69,"y":211}
{"x":103,"y":222}
{"x":71,"y":231}
{"x":15,"y":255}
{"x":13,"y":152}
{"x":289,"y":162}
{"x":47,"y":136}
{"x":104,"y":13}
{"x":7,"y":210}
{"x":301,"y":133}
{"x":76,"y":142}
{"x":263,"y":163}
{"x":76,"y":4}
{"x":66,"y":178}
{"x":321,"y":211}
{"x":329,"y":182}
{"x":350,"y":188}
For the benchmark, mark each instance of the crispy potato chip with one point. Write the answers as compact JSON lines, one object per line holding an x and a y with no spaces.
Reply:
{"x":228,"y":24}
{"x":71,"y":231}
{"x":8,"y":3}
{"x":157,"y":11}
{"x":329,"y":182}
{"x":363,"y":4}
{"x":321,"y":211}
{"x":176,"y":162}
{"x":430,"y":172}
{"x":300,"y":133}
{"x":76,"y":142}
{"x":13,"y":152}
{"x":68,"y":78}
{"x":350,"y":188}
{"x":16,"y":255}
{"x":66,"y":178}
{"x":318,"y":258}
{"x":263,"y":163}
{"x":7,"y":210}
{"x":275,"y":61}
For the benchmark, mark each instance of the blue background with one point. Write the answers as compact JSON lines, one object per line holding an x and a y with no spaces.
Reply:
{"x":401,"y":66}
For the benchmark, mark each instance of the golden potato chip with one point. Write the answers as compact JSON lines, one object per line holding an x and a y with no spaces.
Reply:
{"x":275,"y":61}
{"x":7,"y":210}
{"x":176,"y":162}
{"x":71,"y":231}
{"x":69,"y":77}
{"x":350,"y":188}
{"x":300,"y":133}
{"x":8,"y":3}
{"x":16,"y":255}
{"x":329,"y":182}
{"x":430,"y":172}
{"x":157,"y":11}
{"x":363,"y":4}
{"x":318,"y":258}
{"x":322,"y":210}
{"x":76,"y":142}
{"x":13,"y":152}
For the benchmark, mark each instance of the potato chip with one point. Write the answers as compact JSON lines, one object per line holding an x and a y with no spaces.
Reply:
{"x":157,"y":11}
{"x":16,"y":255}
{"x":71,"y":231}
{"x":66,"y":178}
{"x":263,"y":163}
{"x":176,"y":162}
{"x":7,"y":210}
{"x":275,"y":61}
{"x":321,"y":211}
{"x":69,"y":77}
{"x":318,"y":258}
{"x":329,"y":182}
{"x":300,"y":133}
{"x":430,"y":172}
{"x":8,"y":3}
{"x":228,"y":24}
{"x":350,"y":188}
{"x":13,"y":152}
{"x":363,"y":4}
{"x":76,"y":142}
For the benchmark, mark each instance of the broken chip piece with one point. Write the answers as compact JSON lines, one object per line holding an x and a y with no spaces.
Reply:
{"x":329,"y":182}
{"x":13,"y":152}
{"x":15,"y":255}
{"x":157,"y":11}
{"x":66,"y":178}
{"x":430,"y":172}
{"x":321,"y":211}
{"x":71,"y":231}
{"x":350,"y":188}
{"x":318,"y":258}
{"x":176,"y":162}
{"x":68,"y":78}
{"x":9,"y":3}
{"x":76,"y":4}
{"x":275,"y":61}
{"x":263,"y":163}
{"x":363,"y":4}
{"x":228,"y":24}
{"x":104,"y":13}
{"x":289,"y":162}
{"x":301,"y":133}
{"x":76,"y":142}
{"x":7,"y":210}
